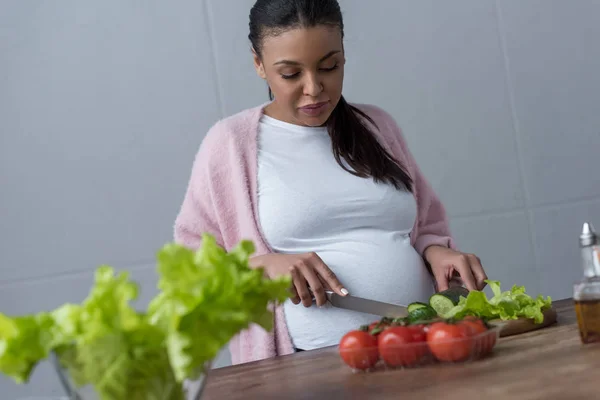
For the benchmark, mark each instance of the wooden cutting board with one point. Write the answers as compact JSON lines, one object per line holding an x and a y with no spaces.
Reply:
{"x":522,"y":325}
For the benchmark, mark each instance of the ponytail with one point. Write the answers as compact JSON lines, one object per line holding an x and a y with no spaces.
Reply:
{"x":354,"y":142}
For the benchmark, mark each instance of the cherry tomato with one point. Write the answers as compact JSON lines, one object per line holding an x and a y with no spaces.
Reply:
{"x":475,"y":324}
{"x":402,"y":346}
{"x":419,"y":332}
{"x":450,"y":342}
{"x":484,"y":340}
{"x":358,"y":349}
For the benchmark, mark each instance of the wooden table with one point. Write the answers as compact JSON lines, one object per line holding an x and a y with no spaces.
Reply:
{"x":550,"y":363}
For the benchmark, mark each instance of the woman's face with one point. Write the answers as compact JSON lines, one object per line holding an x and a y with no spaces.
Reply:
{"x":304,"y":68}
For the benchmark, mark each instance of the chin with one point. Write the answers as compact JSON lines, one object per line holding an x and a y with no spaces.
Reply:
{"x":314,"y":122}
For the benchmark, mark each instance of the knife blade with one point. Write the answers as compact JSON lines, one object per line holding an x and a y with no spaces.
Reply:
{"x":367,"y":306}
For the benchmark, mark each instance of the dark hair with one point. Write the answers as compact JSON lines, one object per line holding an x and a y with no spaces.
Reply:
{"x":351,"y":139}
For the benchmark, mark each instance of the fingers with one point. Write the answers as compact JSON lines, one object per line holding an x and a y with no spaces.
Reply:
{"x":301,"y":287}
{"x":315,"y":285}
{"x":324,"y":283}
{"x":294,"y":297}
{"x":463,"y":267}
{"x":311,"y":278}
{"x":478,"y":272}
{"x":327,"y":275}
{"x":441,"y":279}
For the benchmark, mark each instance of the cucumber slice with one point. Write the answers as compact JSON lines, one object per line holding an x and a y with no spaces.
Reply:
{"x":443,"y":302}
{"x":422,"y":314}
{"x":415,"y":306}
{"x":440,"y":303}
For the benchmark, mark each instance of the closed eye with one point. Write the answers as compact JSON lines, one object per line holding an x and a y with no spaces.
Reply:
{"x":330,"y":69}
{"x":292,"y":76}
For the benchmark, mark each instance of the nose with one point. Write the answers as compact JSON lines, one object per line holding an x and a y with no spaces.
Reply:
{"x":313,"y":86}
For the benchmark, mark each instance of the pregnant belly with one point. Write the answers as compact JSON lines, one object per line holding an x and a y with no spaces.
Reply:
{"x":391,"y":272}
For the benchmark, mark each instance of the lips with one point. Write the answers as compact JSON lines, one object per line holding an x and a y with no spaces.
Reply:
{"x":314,"y":110}
{"x":314,"y":106}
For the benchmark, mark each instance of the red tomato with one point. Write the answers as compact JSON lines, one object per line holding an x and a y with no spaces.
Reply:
{"x":476,"y":325}
{"x":419,"y":332}
{"x":358,"y":349}
{"x":402,"y":346}
{"x":450,"y":342}
{"x":484,"y":340}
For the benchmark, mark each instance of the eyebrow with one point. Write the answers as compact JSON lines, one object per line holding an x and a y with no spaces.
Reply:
{"x":289,"y":62}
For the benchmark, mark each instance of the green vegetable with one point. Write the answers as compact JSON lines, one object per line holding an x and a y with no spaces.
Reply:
{"x":23,"y":344}
{"x":507,"y":305}
{"x":443,"y":302}
{"x":207,"y":297}
{"x":422,"y":314}
{"x":413,"y":306}
{"x":455,"y":293}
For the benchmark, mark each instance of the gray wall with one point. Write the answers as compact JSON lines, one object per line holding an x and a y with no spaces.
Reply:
{"x":104,"y":103}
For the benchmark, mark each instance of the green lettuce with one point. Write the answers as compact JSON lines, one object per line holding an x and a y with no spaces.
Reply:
{"x":24,"y":341}
{"x":206,"y":297}
{"x":508,"y":305}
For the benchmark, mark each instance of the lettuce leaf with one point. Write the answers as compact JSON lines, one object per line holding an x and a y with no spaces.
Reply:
{"x":508,"y":305}
{"x":206,"y":297}
{"x":23,"y":342}
{"x":106,"y":339}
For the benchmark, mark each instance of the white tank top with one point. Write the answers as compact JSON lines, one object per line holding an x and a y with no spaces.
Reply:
{"x":307,"y":202}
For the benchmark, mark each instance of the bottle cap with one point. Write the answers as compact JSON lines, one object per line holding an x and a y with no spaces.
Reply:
{"x":588,"y":236}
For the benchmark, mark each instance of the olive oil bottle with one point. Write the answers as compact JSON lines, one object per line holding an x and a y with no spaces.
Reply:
{"x":587,"y":292}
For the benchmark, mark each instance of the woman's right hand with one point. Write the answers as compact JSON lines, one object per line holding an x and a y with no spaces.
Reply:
{"x":307,"y":271}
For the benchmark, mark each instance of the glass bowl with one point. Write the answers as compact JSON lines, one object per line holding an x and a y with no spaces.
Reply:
{"x":419,"y":354}
{"x":192,"y":389}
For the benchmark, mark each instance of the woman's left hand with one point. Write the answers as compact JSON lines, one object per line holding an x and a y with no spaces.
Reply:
{"x":446,"y":263}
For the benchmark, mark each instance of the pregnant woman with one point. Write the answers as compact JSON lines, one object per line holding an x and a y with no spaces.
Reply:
{"x":327,"y":190}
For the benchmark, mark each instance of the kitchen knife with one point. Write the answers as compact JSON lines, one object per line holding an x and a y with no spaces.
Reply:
{"x":367,"y":306}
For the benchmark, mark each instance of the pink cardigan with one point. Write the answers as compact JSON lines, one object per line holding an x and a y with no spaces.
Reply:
{"x":221,"y":199}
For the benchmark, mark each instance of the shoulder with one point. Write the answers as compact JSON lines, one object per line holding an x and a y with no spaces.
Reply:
{"x":234,"y":128}
{"x":234,"y":134}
